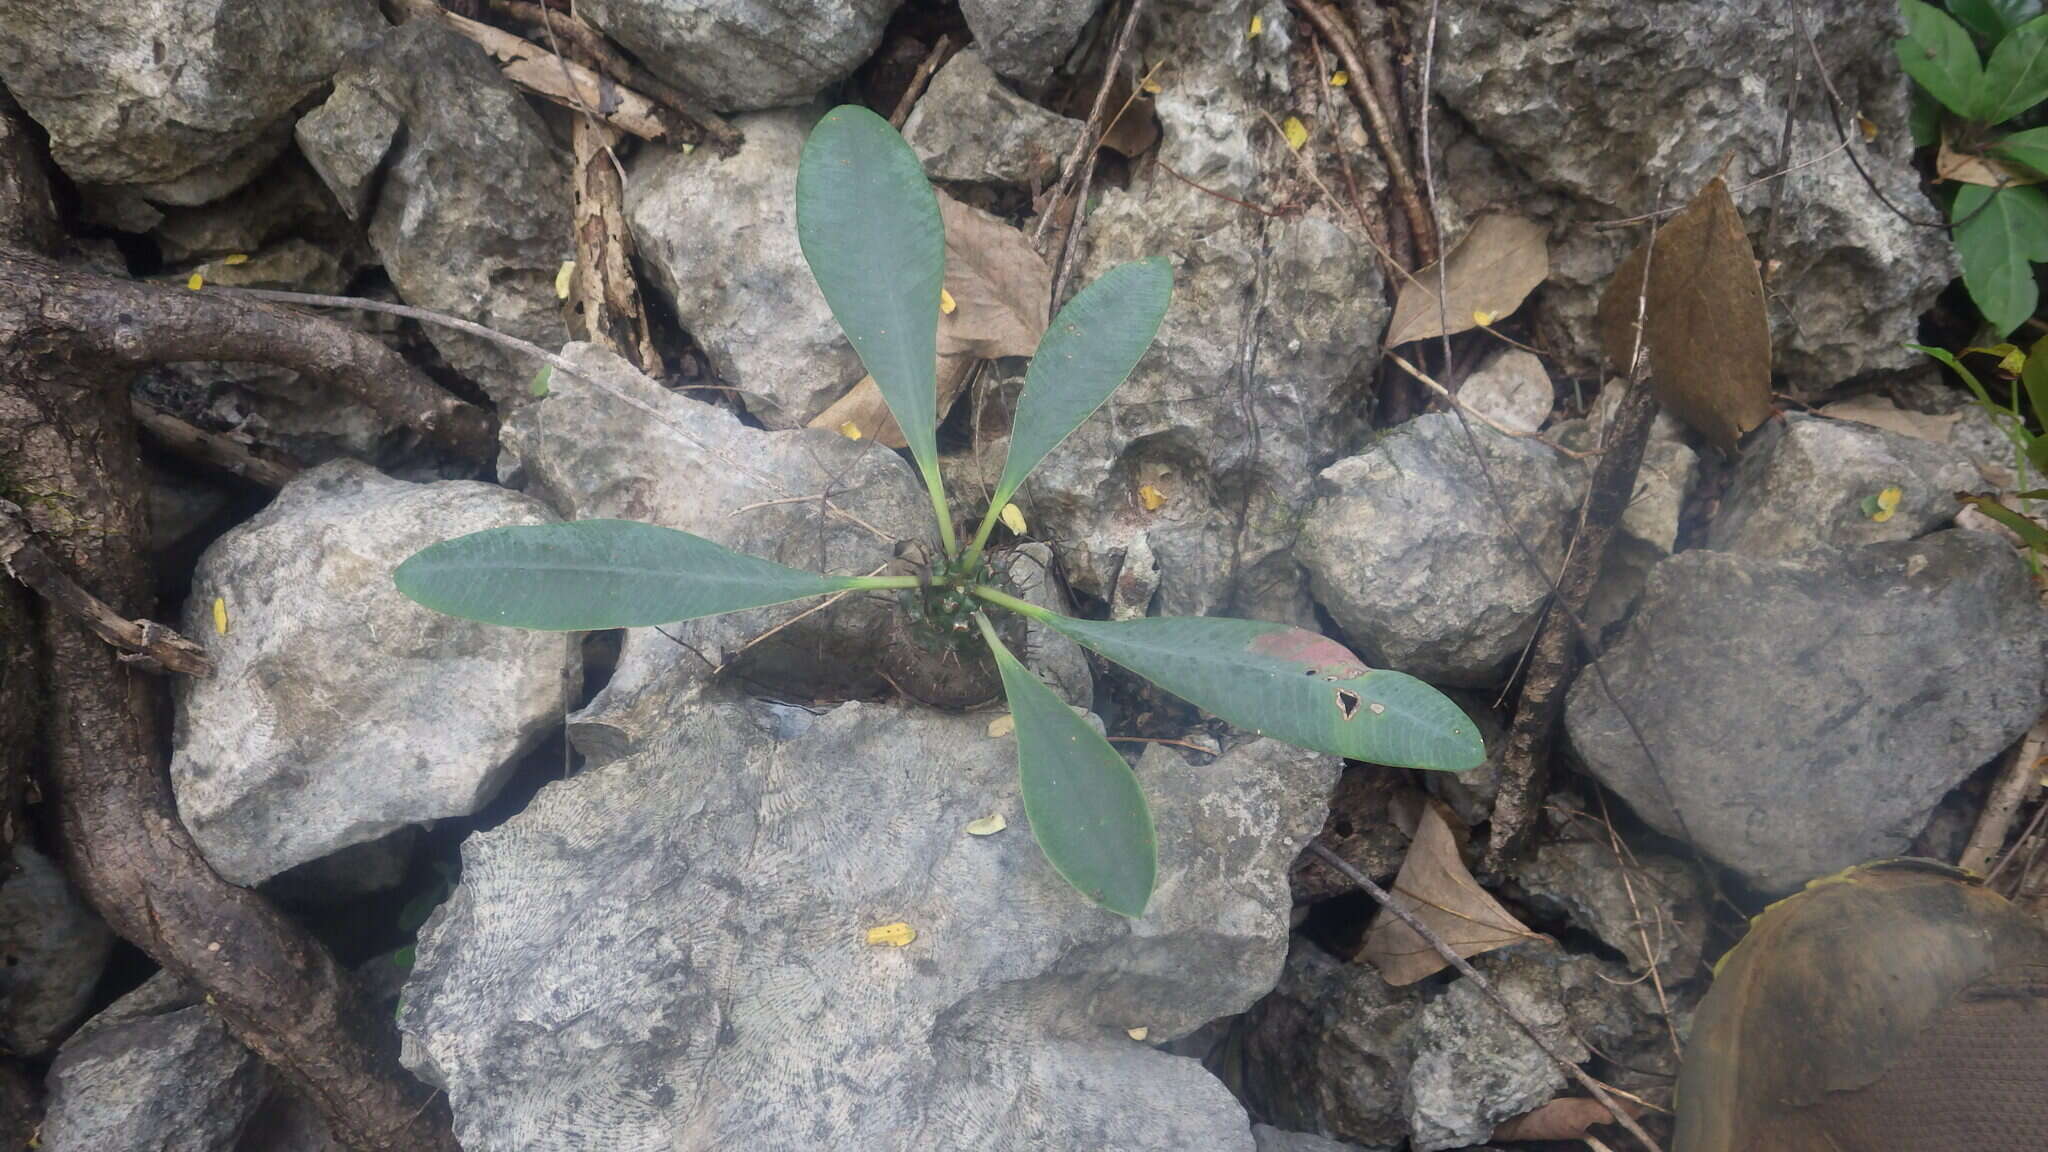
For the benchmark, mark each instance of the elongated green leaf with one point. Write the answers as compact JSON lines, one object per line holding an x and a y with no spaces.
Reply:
{"x":596,"y":574}
{"x":1088,"y":351}
{"x":2035,"y":535}
{"x":1086,"y":809}
{"x":2000,"y":233}
{"x":2034,"y":376}
{"x":2028,"y":149}
{"x":1992,"y":19}
{"x":869,"y":226}
{"x":1937,"y":52}
{"x":1291,"y":684}
{"x":2016,"y":77}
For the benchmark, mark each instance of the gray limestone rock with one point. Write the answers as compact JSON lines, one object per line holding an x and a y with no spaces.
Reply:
{"x":1809,"y":715}
{"x":1814,"y":484}
{"x":969,"y":128}
{"x":52,"y":951}
{"x":339,"y":710}
{"x":183,"y":97}
{"x":1589,"y":107}
{"x":612,"y":443}
{"x":719,"y":236}
{"x":1025,"y":40}
{"x":157,"y":1070}
{"x":1406,"y":549}
{"x":1652,"y":899}
{"x":472,"y":205}
{"x":1513,"y":390}
{"x":670,"y":950}
{"x":746,"y":54}
{"x":1473,"y":1067}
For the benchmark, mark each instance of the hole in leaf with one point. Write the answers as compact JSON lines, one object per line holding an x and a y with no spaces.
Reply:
{"x":1308,"y":672}
{"x":1348,"y":701}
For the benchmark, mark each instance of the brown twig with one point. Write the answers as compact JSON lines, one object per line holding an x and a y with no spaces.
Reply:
{"x":154,"y":646}
{"x":589,"y":48}
{"x":921,"y":79}
{"x":2018,"y":778}
{"x":1331,"y":25}
{"x":1623,"y":863}
{"x":1091,"y":133}
{"x":1261,"y":209}
{"x":1464,"y":968}
{"x":211,"y":448}
{"x":1451,"y":398}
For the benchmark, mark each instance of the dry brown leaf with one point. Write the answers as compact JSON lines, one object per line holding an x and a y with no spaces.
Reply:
{"x":1137,"y":129}
{"x":1707,"y":333}
{"x":1435,"y":884}
{"x":1000,"y":286}
{"x":1564,"y":1118}
{"x":1971,"y":168}
{"x":1879,"y":412}
{"x":1493,"y":269}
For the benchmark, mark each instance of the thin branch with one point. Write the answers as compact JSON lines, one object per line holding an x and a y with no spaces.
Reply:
{"x":211,"y":448}
{"x":151,"y":645}
{"x":1623,"y":864}
{"x":1420,"y":223}
{"x":1169,"y":169}
{"x":921,"y":79}
{"x":2018,"y":778}
{"x":1451,"y":398}
{"x":1464,"y":968}
{"x":1091,"y":134}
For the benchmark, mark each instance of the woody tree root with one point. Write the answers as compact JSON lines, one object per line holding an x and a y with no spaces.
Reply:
{"x":69,"y":342}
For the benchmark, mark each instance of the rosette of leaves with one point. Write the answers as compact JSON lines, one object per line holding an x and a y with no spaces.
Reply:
{"x":870,"y":229}
{"x":1982,"y":69}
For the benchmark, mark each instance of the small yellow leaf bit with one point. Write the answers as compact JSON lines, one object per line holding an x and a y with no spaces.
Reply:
{"x":1258,"y":27}
{"x":850,"y":430}
{"x":1013,"y":518}
{"x":1152,"y":498}
{"x":195,"y":282}
{"x":946,"y":303}
{"x":1296,"y":132}
{"x":988,"y":825}
{"x":220,"y":615}
{"x":894,"y":935}
{"x":1002,"y":726}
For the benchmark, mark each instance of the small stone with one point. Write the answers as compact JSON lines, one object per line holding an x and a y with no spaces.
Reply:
{"x":1513,"y":390}
{"x":1474,"y":1066}
{"x":969,"y":128}
{"x":746,"y":54}
{"x":1025,"y":40}
{"x":55,"y":949}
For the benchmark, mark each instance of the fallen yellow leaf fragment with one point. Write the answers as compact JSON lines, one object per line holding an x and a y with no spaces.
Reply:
{"x":1258,"y":27}
{"x":988,"y":825}
{"x":946,"y":302}
{"x":1867,"y":127}
{"x":1482,"y":317}
{"x":195,"y":282}
{"x":1296,"y":131}
{"x":220,"y":615}
{"x":1002,"y":726}
{"x":1152,"y":498}
{"x":891,"y":935}
{"x":1013,"y":518}
{"x":234,"y":258}
{"x":1339,"y":78}
{"x":562,"y":275}
{"x":1150,"y":86}
{"x":1138,"y":1034}
{"x":1885,"y":504}
{"x":850,"y":430}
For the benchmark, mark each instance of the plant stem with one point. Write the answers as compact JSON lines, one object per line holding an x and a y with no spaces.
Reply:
{"x":972,"y":556}
{"x":1021,"y":607}
{"x":876,"y":582}
{"x":939,"y":509}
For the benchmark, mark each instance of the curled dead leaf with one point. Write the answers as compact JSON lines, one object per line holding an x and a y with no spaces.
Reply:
{"x":1435,"y":885}
{"x":1972,"y":168}
{"x":1564,"y":1118}
{"x":1493,"y":269}
{"x":1706,"y":330}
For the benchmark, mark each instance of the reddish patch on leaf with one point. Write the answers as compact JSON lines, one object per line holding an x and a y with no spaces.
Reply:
{"x":1320,"y":655}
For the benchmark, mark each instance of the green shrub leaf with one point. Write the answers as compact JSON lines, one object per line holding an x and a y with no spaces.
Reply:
{"x":1992,"y":19}
{"x":1999,"y":233}
{"x":2028,"y":149}
{"x":2034,"y":377}
{"x":1087,"y":811}
{"x":2016,"y":78}
{"x":1291,"y":684}
{"x":2034,"y":534}
{"x":1088,"y":351}
{"x":869,"y":226}
{"x":593,"y":574}
{"x":1937,"y":52}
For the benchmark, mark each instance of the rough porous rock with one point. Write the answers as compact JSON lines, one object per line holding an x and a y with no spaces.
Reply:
{"x":339,"y":710}
{"x":746,"y":54}
{"x":184,"y":97}
{"x":1589,"y":108}
{"x":1653,"y":900}
{"x":612,"y":443}
{"x":719,"y":235}
{"x":472,"y":201}
{"x":1813,"y":483}
{"x":1809,"y":715}
{"x":1513,"y":390}
{"x":1328,"y":1051}
{"x":969,"y":128}
{"x":1406,"y":548}
{"x":1025,"y":40}
{"x":1473,"y":1066}
{"x":157,"y":1070}
{"x":52,"y":951}
{"x":669,"y":950}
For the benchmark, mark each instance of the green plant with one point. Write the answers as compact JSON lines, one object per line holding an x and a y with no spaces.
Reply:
{"x":870,"y":230}
{"x":1999,"y":216}
{"x":2029,"y":374}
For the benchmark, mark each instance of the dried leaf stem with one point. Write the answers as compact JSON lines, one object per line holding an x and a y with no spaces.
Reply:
{"x":152,"y":645}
